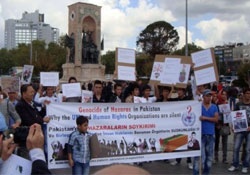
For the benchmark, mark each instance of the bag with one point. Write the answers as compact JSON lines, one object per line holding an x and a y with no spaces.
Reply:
{"x":225,"y":130}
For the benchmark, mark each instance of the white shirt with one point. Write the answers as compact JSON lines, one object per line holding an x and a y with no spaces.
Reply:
{"x":53,"y":99}
{"x":144,"y":100}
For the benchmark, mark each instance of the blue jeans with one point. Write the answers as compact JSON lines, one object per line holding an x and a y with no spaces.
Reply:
{"x":207,"y":151}
{"x":232,"y":101}
{"x":238,"y":140}
{"x":80,"y":168}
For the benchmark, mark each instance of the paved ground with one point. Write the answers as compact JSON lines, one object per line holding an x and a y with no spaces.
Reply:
{"x":163,"y":168}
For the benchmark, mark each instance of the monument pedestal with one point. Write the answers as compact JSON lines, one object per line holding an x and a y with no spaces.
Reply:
{"x":83,"y":73}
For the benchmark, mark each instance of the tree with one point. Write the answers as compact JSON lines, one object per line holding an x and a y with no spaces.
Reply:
{"x":143,"y":65}
{"x":58,"y":54}
{"x":243,"y":75}
{"x":191,"y":49}
{"x":6,"y":62}
{"x":109,"y":61}
{"x":158,"y":38}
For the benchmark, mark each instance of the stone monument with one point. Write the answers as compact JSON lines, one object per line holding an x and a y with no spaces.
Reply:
{"x":84,"y":43}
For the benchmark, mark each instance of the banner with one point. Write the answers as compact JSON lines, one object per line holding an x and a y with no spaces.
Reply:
{"x":127,"y":132}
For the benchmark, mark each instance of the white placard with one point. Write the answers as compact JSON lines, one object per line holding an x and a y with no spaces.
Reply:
{"x":205,"y":76}
{"x":126,"y":73}
{"x":126,"y":56}
{"x":239,"y":120}
{"x":71,"y":90}
{"x":184,"y":73}
{"x":16,"y":165}
{"x":157,"y":71}
{"x":87,"y":96}
{"x":171,"y":70}
{"x":27,"y":74}
{"x":49,"y":78}
{"x":202,"y":58}
{"x":226,"y":111}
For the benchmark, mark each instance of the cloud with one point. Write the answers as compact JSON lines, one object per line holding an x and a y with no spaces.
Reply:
{"x":218,"y":31}
{"x":182,"y":34}
{"x":124,"y":3}
{"x":119,"y":25}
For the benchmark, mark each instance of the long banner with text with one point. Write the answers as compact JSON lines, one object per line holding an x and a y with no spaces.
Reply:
{"x":126,"y":132}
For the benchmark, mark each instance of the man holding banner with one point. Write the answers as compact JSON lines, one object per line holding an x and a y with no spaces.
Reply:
{"x":208,"y":118}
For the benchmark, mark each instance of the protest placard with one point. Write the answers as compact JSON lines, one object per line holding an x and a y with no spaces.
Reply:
{"x":49,"y":78}
{"x":126,"y":73}
{"x":125,"y":55}
{"x":87,"y":96}
{"x":10,"y":84}
{"x":157,"y":71}
{"x":165,"y":73}
{"x":171,"y":70}
{"x":239,"y":120}
{"x":125,"y":64}
{"x":141,"y":132}
{"x":226,"y":111}
{"x":27,"y":74}
{"x":71,"y":90}
{"x":205,"y":68}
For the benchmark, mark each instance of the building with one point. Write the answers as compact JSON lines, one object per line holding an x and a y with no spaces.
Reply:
{"x":242,"y":53}
{"x":30,"y":27}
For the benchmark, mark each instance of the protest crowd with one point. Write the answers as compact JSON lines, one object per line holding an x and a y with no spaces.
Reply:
{"x":26,"y":113}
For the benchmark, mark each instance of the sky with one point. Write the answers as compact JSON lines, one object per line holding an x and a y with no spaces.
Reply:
{"x":210,"y":22}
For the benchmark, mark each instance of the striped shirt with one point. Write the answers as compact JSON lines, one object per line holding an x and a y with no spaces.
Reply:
{"x":79,"y":143}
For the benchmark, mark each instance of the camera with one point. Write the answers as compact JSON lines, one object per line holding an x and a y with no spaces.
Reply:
{"x":20,"y":135}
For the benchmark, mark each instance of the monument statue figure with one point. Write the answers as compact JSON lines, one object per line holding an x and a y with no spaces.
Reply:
{"x":90,"y":52}
{"x":70,"y":43}
{"x":83,"y":43}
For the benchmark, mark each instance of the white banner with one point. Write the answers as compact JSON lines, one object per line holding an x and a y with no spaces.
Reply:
{"x":127,"y":132}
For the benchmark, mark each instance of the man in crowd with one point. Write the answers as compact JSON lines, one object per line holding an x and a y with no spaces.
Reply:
{"x":239,"y":137}
{"x":29,"y":113}
{"x":208,"y":119}
{"x":116,"y":97}
{"x":9,"y":112}
{"x":28,"y":110}
{"x":98,"y":96}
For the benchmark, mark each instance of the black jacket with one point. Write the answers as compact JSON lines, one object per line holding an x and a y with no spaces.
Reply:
{"x":39,"y":167}
{"x":29,"y":113}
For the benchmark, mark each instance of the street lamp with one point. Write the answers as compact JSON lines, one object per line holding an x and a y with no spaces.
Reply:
{"x":31,"y":43}
{"x":186,"y":47}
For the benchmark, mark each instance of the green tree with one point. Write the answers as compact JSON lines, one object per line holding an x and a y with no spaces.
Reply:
{"x":6,"y":62}
{"x":62,"y":40}
{"x":191,"y":49}
{"x":243,"y":75}
{"x":144,"y":65}
{"x":158,"y":38}
{"x":108,"y":60}
{"x":58,"y":54}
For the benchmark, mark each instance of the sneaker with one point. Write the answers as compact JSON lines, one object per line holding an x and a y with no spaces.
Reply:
{"x":174,"y":163}
{"x":232,"y":168}
{"x":244,"y":170}
{"x":190,"y":166}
